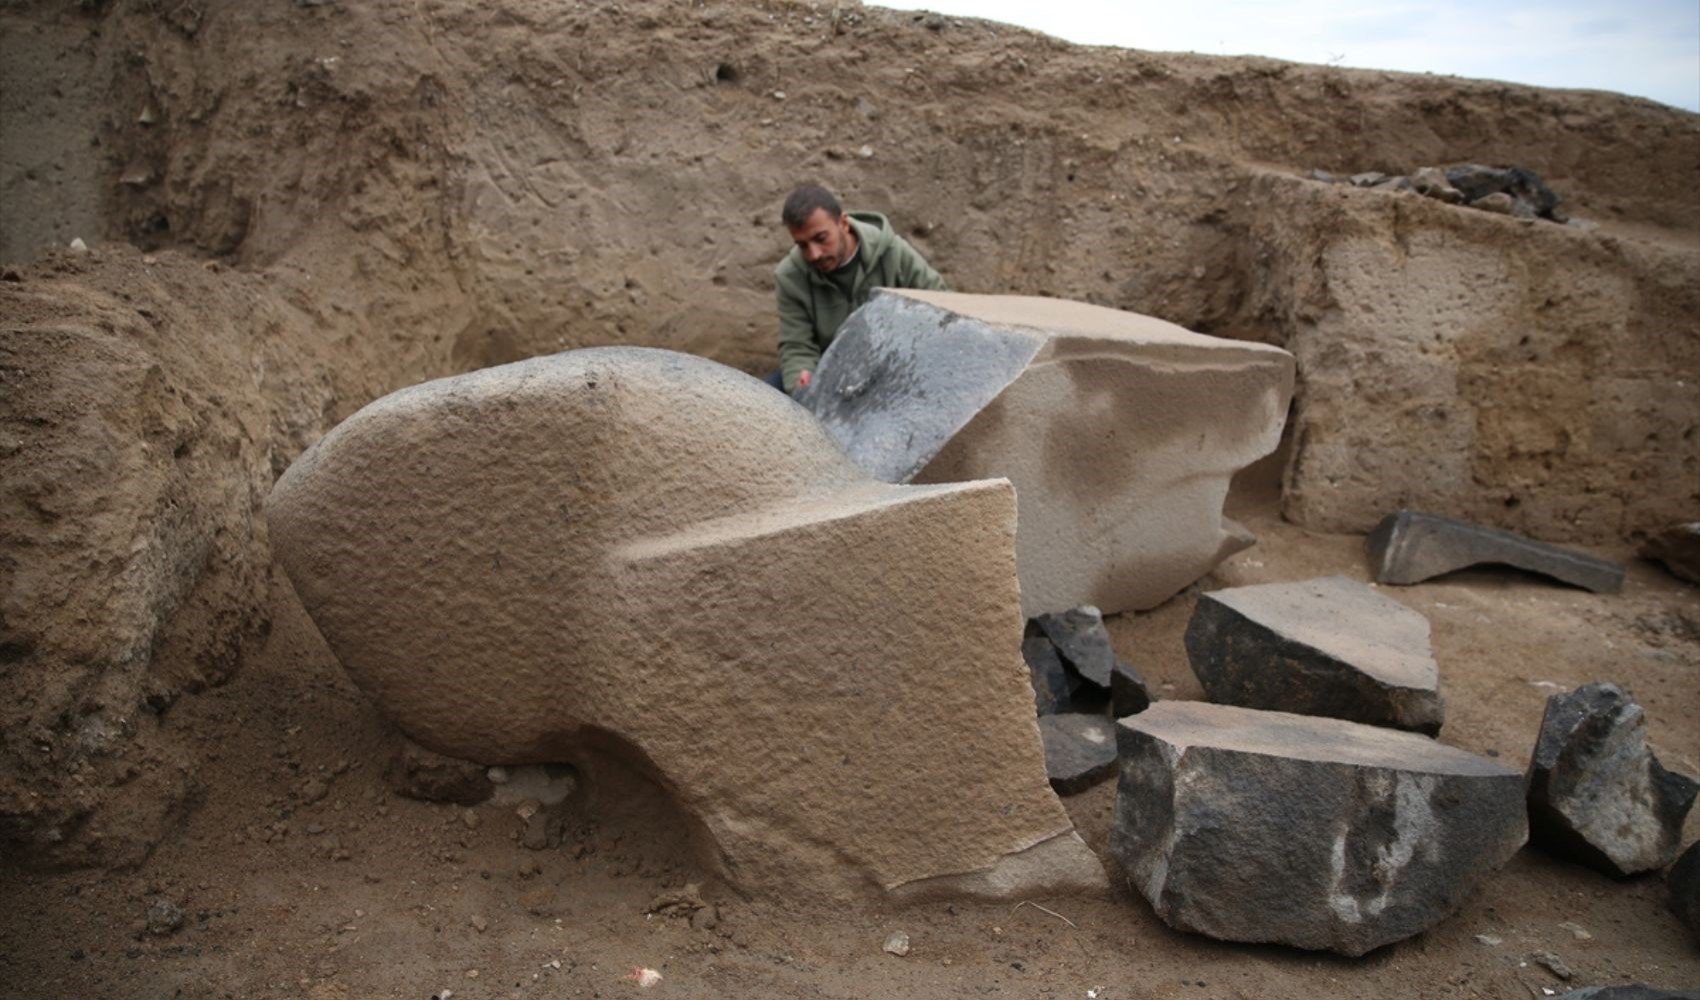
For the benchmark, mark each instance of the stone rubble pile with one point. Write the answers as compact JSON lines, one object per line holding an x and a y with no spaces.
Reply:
{"x":1077,"y":677}
{"x":1514,"y":191}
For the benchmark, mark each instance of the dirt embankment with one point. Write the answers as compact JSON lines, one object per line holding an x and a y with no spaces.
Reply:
{"x":397,"y":192}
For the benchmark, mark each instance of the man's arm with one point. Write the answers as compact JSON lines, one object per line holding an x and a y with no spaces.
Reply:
{"x":798,"y":351}
{"x":913,"y":271}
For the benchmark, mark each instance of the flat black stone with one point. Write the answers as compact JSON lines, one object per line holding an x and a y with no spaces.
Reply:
{"x":1410,"y":547}
{"x":1080,"y":750}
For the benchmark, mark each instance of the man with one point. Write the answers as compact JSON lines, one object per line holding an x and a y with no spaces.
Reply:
{"x":839,"y":259}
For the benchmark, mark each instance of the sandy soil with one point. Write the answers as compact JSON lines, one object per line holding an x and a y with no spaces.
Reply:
{"x":271,"y":911}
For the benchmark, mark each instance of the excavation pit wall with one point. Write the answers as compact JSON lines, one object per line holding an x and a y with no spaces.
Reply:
{"x":328,"y":203}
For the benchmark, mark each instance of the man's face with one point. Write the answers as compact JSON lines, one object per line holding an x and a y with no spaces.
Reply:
{"x":826,"y":242}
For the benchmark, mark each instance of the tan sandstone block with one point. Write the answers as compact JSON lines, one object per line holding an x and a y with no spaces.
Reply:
{"x":1121,"y":432}
{"x":647,"y":554}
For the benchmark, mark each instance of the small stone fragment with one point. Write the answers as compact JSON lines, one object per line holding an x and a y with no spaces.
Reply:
{"x":1054,"y":685}
{"x":1431,"y":182}
{"x":1491,"y":940}
{"x":865,"y":152}
{"x":897,"y":944}
{"x":78,"y":246}
{"x":1083,"y":642}
{"x":164,"y":916}
{"x":1080,"y":750}
{"x":1369,"y":178}
{"x":1410,"y":547}
{"x":705,"y":919}
{"x":417,"y":773}
{"x":1129,"y":694}
{"x":1576,"y":930}
{"x":1329,"y":647}
{"x":1597,"y":794}
{"x":1398,"y":183}
{"x":313,"y":790}
{"x":1552,"y":963}
{"x":1683,"y":880}
{"x":480,"y":924}
{"x":1678,"y":547}
{"x":1323,"y":834}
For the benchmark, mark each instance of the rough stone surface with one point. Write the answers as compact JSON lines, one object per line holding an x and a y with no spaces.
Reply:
{"x":417,"y":773}
{"x":1431,"y":182}
{"x":1410,"y":547}
{"x":1120,"y":431}
{"x":1080,"y":750}
{"x":1129,"y":694}
{"x":647,"y":556}
{"x":1323,"y":834}
{"x":1081,"y":639}
{"x":1683,"y":881}
{"x":1055,"y":687}
{"x":1318,"y":647}
{"x":1678,"y":548}
{"x":1597,"y":794}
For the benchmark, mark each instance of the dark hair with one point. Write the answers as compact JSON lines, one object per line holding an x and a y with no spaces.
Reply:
{"x":803,"y":202}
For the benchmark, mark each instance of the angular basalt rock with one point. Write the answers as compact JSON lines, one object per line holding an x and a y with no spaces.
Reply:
{"x":1597,"y":794}
{"x":648,"y":556}
{"x":1119,"y":431}
{"x":1633,"y":991}
{"x":1080,"y":637}
{"x":1080,"y":750}
{"x":1329,"y":646}
{"x":1323,"y":834}
{"x":1129,"y":694}
{"x":1056,"y":688}
{"x":1410,"y":547}
{"x":1683,"y":882}
{"x":1678,"y":547}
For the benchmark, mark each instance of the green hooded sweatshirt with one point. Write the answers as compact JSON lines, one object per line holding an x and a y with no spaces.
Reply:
{"x":812,"y":306}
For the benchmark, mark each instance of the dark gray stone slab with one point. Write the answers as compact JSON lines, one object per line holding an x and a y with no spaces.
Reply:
{"x":1410,"y":547}
{"x":1129,"y":694}
{"x":902,"y":377}
{"x":1080,"y":750}
{"x":1330,"y":647}
{"x":1678,"y":548}
{"x":1683,"y":881}
{"x":1597,"y":794}
{"x":1055,"y":687}
{"x":1084,"y":643}
{"x":1323,"y":834}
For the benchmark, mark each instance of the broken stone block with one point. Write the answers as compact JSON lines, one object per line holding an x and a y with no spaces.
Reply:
{"x":1369,"y":178}
{"x":1683,"y":881}
{"x":629,"y":556}
{"x":1269,"y":827}
{"x":1597,"y":794}
{"x":1476,"y":181}
{"x":1080,"y":750}
{"x":1081,"y":639}
{"x":1129,"y":694}
{"x":1120,"y":432}
{"x":1678,"y":547}
{"x":1055,"y":687}
{"x":1410,"y":547}
{"x":1318,"y":647}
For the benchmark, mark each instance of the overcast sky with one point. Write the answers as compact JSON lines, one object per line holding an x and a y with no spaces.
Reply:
{"x":1649,"y":48}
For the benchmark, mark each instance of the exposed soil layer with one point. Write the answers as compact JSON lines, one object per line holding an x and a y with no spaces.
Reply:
{"x":296,"y":208}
